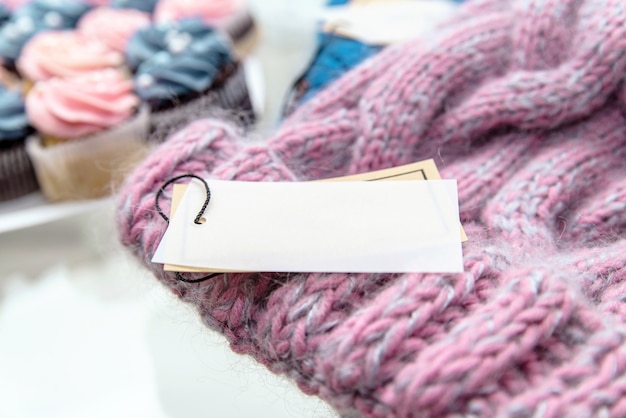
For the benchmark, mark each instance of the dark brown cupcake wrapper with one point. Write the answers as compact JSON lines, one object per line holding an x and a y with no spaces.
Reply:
{"x":233,"y":94}
{"x":219,"y":82}
{"x":17,"y":177}
{"x":229,"y":99}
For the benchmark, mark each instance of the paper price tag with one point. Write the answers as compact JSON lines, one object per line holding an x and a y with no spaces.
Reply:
{"x":407,"y":226}
{"x":423,"y":170}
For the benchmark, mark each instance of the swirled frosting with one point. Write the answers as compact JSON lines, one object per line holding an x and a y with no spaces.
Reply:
{"x":13,"y":120}
{"x":209,"y":11}
{"x":31,"y":18}
{"x":170,"y":37}
{"x":97,"y":24}
{"x":65,"y":54}
{"x":189,"y":69}
{"x":96,"y":3}
{"x":13,"y":4}
{"x":75,"y":107}
{"x":142,"y":5}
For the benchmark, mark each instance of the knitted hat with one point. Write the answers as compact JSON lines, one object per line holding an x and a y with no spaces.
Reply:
{"x":523,"y":102}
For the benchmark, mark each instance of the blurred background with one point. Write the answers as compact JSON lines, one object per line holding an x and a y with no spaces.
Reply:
{"x":86,"y":332}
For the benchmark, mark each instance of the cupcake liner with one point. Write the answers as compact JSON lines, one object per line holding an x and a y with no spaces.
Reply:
{"x":229,"y":100}
{"x":27,"y":86}
{"x":10,"y":79}
{"x":17,"y":177}
{"x":92,"y":166}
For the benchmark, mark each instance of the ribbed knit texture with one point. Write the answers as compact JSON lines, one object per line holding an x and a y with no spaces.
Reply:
{"x":523,"y":102}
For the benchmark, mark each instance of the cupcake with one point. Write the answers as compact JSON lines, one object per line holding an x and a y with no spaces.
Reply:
{"x":230,"y":16}
{"x":97,"y":129}
{"x":65,"y":54}
{"x":212,"y":12}
{"x":228,"y":100}
{"x":141,"y":5}
{"x":33,"y":17}
{"x":171,"y":37}
{"x":96,"y":24}
{"x":96,"y":3}
{"x":13,"y":4}
{"x":193,"y":71}
{"x":17,"y":177}
{"x":186,"y":69}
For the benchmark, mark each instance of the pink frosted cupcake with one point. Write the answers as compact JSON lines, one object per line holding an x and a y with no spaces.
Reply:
{"x":13,"y":4}
{"x":91,"y":130}
{"x":230,"y":16}
{"x":64,"y":54}
{"x":96,"y":2}
{"x":96,"y":24}
{"x":212,"y":12}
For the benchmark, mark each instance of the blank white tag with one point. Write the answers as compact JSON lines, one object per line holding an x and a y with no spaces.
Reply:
{"x":383,"y":226}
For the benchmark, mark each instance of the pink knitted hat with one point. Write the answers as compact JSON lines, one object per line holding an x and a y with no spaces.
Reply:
{"x":523,"y":102}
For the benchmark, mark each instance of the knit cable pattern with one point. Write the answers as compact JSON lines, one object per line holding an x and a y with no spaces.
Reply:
{"x":522,"y":101}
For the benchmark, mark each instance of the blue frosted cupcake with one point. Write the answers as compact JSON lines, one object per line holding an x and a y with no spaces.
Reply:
{"x":184,"y":70}
{"x":34,"y":17}
{"x":172,"y":38}
{"x":189,"y":64}
{"x":141,"y":5}
{"x":17,"y":177}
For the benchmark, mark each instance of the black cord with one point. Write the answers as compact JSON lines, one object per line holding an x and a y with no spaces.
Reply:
{"x":181,"y":278}
{"x":197,"y":221}
{"x":170,"y":181}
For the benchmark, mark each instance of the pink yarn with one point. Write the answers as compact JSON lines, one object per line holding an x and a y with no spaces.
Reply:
{"x":523,"y":102}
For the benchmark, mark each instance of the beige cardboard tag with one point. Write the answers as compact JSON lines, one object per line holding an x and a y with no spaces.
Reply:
{"x":423,"y":170}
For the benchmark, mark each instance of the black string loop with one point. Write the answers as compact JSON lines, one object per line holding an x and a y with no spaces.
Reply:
{"x":175,"y":179}
{"x":182,"y":278}
{"x":197,"y":221}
